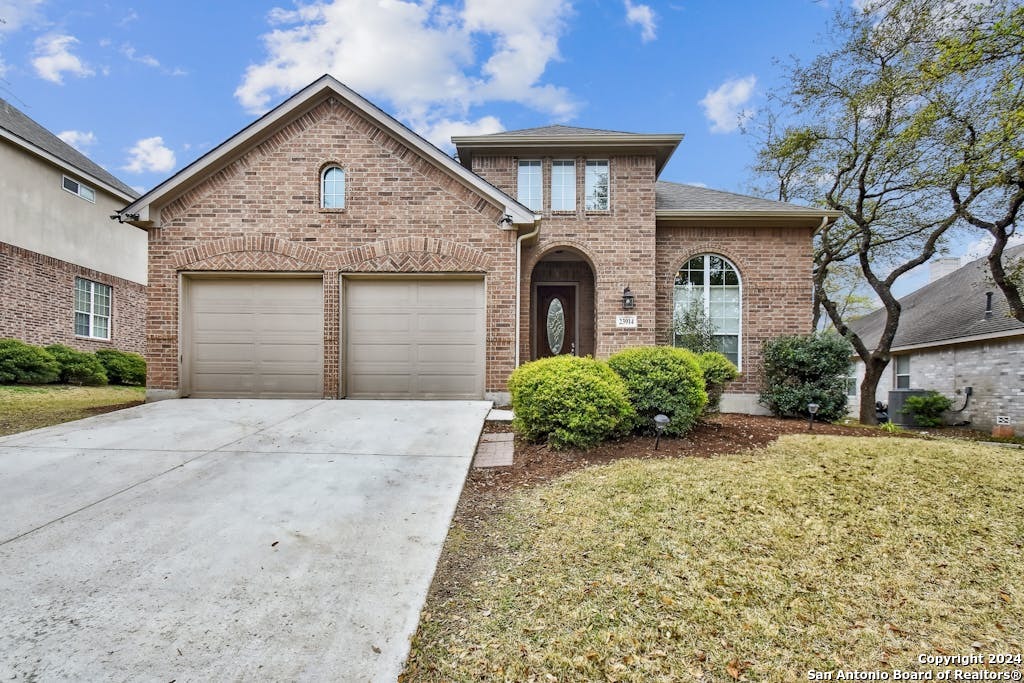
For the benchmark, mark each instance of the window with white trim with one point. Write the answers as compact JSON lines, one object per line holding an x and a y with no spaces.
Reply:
{"x":529,"y":185}
{"x":596,"y":185}
{"x":563,"y":185}
{"x":92,"y":309}
{"x":332,"y":188}
{"x":74,"y":187}
{"x":711,"y":284}
{"x":851,"y":380}
{"x":902,"y":371}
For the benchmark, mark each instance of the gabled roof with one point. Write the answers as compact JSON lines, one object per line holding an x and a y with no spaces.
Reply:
{"x":146,"y":207}
{"x":675,"y":200}
{"x":18,"y":128}
{"x":948,"y":310}
{"x":558,"y":139}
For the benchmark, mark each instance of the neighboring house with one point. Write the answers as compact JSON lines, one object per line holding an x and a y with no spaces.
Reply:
{"x":955,"y":332}
{"x":68,"y":273}
{"x":328,"y":251}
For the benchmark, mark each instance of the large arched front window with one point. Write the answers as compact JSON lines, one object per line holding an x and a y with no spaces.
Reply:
{"x":708,"y":305}
{"x":332,"y":188}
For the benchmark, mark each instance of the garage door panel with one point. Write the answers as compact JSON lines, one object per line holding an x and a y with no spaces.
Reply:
{"x":256,"y":338}
{"x":414,"y":338}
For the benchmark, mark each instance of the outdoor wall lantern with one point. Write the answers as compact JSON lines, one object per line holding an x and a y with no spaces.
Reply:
{"x":628,"y":301}
{"x":812,"y":408}
{"x":660,"y":422}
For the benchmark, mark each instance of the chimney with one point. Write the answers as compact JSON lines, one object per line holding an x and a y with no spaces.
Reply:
{"x":941,"y":267}
{"x":988,"y":305}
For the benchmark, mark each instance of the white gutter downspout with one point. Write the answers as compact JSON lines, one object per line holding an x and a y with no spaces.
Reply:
{"x":519,"y":279}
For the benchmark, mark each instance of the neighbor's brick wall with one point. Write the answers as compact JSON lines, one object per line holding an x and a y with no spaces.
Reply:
{"x":38,"y":303}
{"x":619,"y":243}
{"x":775,"y":270}
{"x":261,"y":213}
{"x":993,"y":369}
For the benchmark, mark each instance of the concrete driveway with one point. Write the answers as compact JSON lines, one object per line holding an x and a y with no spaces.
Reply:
{"x":200,"y":540}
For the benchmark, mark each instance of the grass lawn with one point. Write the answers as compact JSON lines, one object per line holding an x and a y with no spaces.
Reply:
{"x":31,"y":407}
{"x":817,"y":552}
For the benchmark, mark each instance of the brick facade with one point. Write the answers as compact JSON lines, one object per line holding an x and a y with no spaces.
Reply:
{"x":261,"y":213}
{"x":39,"y":303}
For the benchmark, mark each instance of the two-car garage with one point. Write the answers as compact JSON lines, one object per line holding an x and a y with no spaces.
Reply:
{"x":262,"y":336}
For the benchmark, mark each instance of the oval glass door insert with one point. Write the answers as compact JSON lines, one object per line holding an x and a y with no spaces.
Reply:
{"x":556,"y":326}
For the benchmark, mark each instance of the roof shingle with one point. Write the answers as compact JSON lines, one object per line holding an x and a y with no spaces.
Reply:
{"x":679,"y":197}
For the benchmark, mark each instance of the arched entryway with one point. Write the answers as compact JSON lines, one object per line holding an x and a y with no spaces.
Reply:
{"x":562,"y":304}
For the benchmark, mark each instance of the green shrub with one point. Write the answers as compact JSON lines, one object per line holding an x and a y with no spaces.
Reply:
{"x":26,"y":364}
{"x":571,"y":402}
{"x":78,"y":367}
{"x":718,"y":371}
{"x":662,"y":379}
{"x":927,"y":410}
{"x":123,"y":367}
{"x":802,"y":369}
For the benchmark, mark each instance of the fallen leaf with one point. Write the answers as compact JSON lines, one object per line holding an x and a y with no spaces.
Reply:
{"x":733,"y":669}
{"x":375,"y":649}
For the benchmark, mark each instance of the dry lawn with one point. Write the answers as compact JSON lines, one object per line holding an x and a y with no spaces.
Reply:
{"x":817,"y":552}
{"x":30,"y":407}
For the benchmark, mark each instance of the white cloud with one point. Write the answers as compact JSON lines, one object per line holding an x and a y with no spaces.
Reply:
{"x":441,"y":132}
{"x":129,"y":51}
{"x":53,"y":58}
{"x":79,"y":139}
{"x":130,"y":16}
{"x":419,"y":57}
{"x":18,"y":13}
{"x":643,"y":16}
{"x":983,"y":245}
{"x":723,"y":106}
{"x":150,"y":155}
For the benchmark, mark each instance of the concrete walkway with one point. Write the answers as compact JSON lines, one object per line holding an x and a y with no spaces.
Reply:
{"x":226,"y":540}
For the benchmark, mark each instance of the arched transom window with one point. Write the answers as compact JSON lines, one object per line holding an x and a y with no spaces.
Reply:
{"x":332,"y":188}
{"x":708,"y":305}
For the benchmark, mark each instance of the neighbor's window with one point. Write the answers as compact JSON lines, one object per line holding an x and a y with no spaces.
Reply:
{"x":92,"y":309}
{"x":563,"y":185}
{"x":83,"y":191}
{"x":597,"y":186}
{"x":709,"y":285}
{"x":902,"y":372}
{"x":529,"y":185}
{"x":332,"y":188}
{"x":851,"y":380}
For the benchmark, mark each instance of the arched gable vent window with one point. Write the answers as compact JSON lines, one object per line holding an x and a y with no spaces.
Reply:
{"x":708,"y":303}
{"x":332,"y":188}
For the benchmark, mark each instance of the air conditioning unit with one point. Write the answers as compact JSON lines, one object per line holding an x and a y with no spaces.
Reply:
{"x":897,"y":399}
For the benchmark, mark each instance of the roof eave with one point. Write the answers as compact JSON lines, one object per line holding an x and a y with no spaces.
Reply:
{"x":71,"y":168}
{"x":664,"y":144}
{"x":734,"y":215}
{"x":147,"y":206}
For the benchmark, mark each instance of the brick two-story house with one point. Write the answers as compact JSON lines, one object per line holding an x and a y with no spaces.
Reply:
{"x":328,"y":251}
{"x":68,"y":273}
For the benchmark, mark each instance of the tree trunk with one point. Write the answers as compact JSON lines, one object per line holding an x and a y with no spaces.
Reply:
{"x":873,"y":369}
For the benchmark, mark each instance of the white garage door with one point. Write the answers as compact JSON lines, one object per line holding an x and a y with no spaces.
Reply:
{"x":414,"y":338}
{"x":255,"y":338}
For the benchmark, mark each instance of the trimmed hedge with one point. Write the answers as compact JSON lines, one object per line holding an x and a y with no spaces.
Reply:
{"x":26,"y":364}
{"x":568,"y":401}
{"x":123,"y":367}
{"x":718,"y":371}
{"x":803,"y":369}
{"x":78,"y":367}
{"x":662,"y":379}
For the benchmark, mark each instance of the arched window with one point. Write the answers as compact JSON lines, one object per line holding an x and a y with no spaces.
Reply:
{"x":708,"y":306}
{"x":332,"y":188}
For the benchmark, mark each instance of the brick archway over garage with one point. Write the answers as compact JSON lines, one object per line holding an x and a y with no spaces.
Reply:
{"x":414,"y":255}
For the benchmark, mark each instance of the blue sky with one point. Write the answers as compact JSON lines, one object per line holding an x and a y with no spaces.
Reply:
{"x":145,"y":88}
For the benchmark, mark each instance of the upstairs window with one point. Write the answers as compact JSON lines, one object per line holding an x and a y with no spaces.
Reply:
{"x":332,"y":188}
{"x":597,"y":186}
{"x":83,"y":191}
{"x":92,"y":309}
{"x":529,"y":185}
{"x":563,"y":185}
{"x":708,"y":303}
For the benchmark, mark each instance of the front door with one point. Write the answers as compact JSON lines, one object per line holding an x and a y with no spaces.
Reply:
{"x":555,"y":320}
